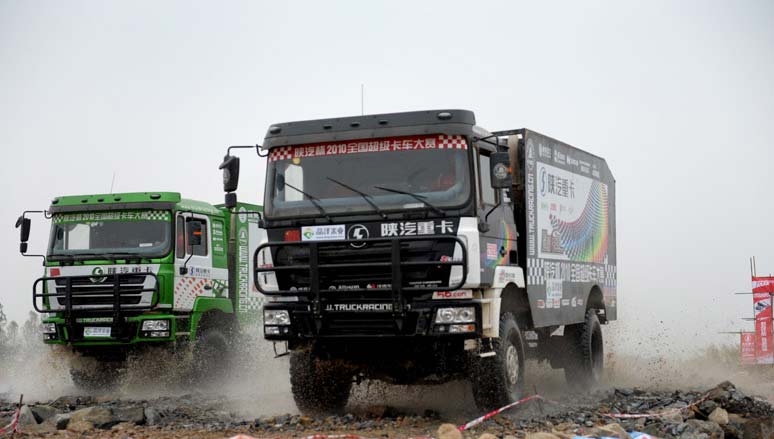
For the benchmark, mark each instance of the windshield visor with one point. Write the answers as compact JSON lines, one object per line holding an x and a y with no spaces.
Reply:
{"x":434,"y":169}
{"x":109,"y":234}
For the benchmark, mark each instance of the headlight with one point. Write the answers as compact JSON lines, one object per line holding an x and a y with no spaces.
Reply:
{"x":276,"y":317}
{"x":155,"y":325}
{"x":48,"y":328}
{"x":455,"y":315}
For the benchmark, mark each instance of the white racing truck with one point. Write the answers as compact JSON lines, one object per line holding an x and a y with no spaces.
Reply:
{"x":419,"y":248}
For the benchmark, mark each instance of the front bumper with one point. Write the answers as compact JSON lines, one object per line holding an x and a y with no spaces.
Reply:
{"x":125,"y":331}
{"x":417,"y":320}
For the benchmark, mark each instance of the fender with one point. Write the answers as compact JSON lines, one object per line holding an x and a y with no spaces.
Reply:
{"x":491,"y":298}
{"x":203,"y":305}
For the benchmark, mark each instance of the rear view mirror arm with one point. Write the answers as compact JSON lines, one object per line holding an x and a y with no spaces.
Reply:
{"x":24,"y":224}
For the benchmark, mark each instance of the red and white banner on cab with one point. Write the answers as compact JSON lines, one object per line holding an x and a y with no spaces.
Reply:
{"x":747,"y":348}
{"x":385,"y":144}
{"x":763,"y":288}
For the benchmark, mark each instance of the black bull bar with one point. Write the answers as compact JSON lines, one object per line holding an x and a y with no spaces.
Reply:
{"x":396,"y":264}
{"x":89,"y":294}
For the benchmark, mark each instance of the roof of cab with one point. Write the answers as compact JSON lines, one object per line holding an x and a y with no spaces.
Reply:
{"x":370,"y":126}
{"x":131,"y":200}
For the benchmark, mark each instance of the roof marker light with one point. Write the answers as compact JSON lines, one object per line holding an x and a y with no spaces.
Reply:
{"x":155,"y":196}
{"x":354,"y":124}
{"x":444,"y":115}
{"x":327,"y":126}
{"x":275,"y":129}
{"x":383,"y":122}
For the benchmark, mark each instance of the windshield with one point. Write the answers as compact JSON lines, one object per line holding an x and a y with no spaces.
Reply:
{"x":375,"y":175}
{"x":111,"y":234}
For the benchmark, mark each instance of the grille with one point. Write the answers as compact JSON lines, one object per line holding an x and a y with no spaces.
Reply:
{"x":375,"y":252}
{"x":86,"y":292}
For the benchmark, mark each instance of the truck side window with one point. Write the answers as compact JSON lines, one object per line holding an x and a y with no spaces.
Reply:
{"x":180,"y":238}
{"x":198,"y":250}
{"x":487,"y":192}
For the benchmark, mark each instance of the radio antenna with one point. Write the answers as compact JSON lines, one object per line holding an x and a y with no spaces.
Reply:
{"x":112,"y":180}
{"x":362,"y":106}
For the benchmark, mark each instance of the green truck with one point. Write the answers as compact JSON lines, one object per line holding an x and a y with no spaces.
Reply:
{"x":132,"y":270}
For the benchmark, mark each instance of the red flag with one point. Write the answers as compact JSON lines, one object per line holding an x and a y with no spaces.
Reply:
{"x":747,"y":348}
{"x":763,"y":289}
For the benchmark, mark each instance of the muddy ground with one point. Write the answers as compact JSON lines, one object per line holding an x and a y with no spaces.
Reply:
{"x":253,"y":397}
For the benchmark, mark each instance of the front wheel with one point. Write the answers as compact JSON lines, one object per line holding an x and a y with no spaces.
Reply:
{"x":96,"y":376}
{"x":318,"y":386}
{"x":499,"y":380}
{"x":211,"y":355}
{"x":585,"y":348}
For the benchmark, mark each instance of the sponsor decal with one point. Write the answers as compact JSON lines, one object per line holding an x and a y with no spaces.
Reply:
{"x":506,"y":276}
{"x":573,"y":216}
{"x":500,"y":171}
{"x":491,"y":251}
{"x":530,"y":335}
{"x":113,"y":215}
{"x":322,"y":233}
{"x":553,"y":293}
{"x":94,"y":320}
{"x":457,"y":294}
{"x":541,"y":304}
{"x":387,"y":144}
{"x":358,"y":307}
{"x":574,"y":302}
{"x":417,"y":228}
{"x":580,"y":302}
{"x":565,"y":302}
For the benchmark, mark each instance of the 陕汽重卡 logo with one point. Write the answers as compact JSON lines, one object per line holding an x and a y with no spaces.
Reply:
{"x":98,"y":275}
{"x":356,"y":233}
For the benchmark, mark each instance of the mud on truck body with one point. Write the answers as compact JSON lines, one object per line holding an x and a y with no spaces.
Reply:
{"x":419,"y":248}
{"x":124,"y":272}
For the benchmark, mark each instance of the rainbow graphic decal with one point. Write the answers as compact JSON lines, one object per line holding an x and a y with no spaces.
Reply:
{"x":585,"y":239}
{"x":506,"y":240}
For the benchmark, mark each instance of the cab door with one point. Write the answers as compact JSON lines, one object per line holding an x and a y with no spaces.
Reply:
{"x":193,"y":260}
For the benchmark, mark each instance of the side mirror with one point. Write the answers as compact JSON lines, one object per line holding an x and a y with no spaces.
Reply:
{"x":280,"y":183}
{"x":500,"y":166}
{"x":23,"y":224}
{"x":194,"y":233}
{"x":230,"y":167}
{"x":231,"y":200}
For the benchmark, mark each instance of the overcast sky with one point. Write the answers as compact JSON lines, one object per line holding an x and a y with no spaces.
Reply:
{"x":677,"y":96}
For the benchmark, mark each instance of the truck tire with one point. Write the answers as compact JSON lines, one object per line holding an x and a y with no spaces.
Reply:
{"x":318,"y":386}
{"x":101,"y":376}
{"x":585,"y":350}
{"x":499,"y":380}
{"x":211,"y":354}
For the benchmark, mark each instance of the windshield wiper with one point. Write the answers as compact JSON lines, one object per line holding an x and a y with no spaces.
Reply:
{"x":419,"y":198}
{"x":365,"y":196}
{"x":314,"y":200}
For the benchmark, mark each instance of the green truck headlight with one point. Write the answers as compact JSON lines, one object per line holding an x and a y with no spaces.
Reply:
{"x":155,"y":325}
{"x":465,"y":314}
{"x":276,"y":317}
{"x":48,"y":328}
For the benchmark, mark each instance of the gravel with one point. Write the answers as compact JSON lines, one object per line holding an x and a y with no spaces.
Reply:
{"x":725,"y":412}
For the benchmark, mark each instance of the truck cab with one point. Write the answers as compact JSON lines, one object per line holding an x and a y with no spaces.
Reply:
{"x":126,"y":271}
